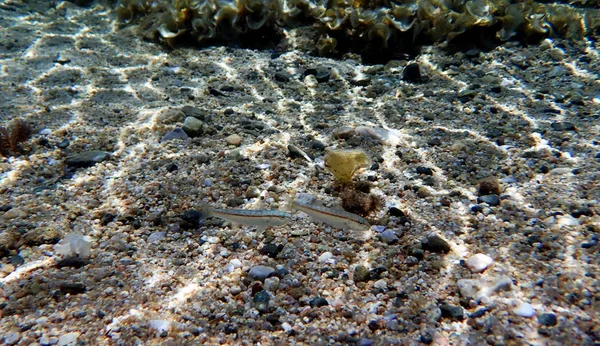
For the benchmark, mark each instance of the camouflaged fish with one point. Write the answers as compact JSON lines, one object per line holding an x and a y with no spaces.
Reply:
{"x":259,"y":218}
{"x":333,"y":217}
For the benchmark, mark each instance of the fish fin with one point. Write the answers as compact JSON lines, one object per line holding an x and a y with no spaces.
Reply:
{"x":260,"y":229}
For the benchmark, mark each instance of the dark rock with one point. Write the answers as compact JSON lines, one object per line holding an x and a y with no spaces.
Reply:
{"x":479,"y":313}
{"x":317,"y":145}
{"x":5,"y":207}
{"x":318,"y":302}
{"x":282,"y":76}
{"x":361,"y":274}
{"x":424,"y":170}
{"x":426,"y":338}
{"x":396,"y":212}
{"x":260,"y":273}
{"x":563,"y":126}
{"x":582,"y":212}
{"x":466,"y":95}
{"x":489,"y":186}
{"x":72,"y":288}
{"x":235,"y":202}
{"x":106,"y":219}
{"x":435,"y":244}
{"x":548,"y":320}
{"x":177,"y":133}
{"x":16,"y":260}
{"x":322,"y":74}
{"x":492,"y":200}
{"x":230,"y":328}
{"x":271,"y":250}
{"x":261,"y":301}
{"x":375,"y":273}
{"x":360,"y":81}
{"x":191,"y":111}
{"x":191,"y":218}
{"x":193,"y":127}
{"x":39,"y":236}
{"x":72,"y":262}
{"x":87,"y":159}
{"x":411,"y":73}
{"x":451,"y":311}
{"x":171,"y":167}
{"x":64,"y":144}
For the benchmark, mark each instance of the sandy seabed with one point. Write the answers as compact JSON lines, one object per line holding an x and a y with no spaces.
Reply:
{"x":527,"y":116}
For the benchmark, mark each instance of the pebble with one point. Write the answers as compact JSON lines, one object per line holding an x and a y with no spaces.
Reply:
{"x":318,"y":302}
{"x":483,"y":288}
{"x":260,"y":273}
{"x":489,"y":186}
{"x":492,"y":200}
{"x":272,"y":284}
{"x":524,"y":310}
{"x":252,"y":192}
{"x":411,"y":73}
{"x":12,"y":338}
{"x":68,"y":339}
{"x":192,"y":126}
{"x":548,"y":320}
{"x":45,"y":340}
{"x":361,"y":274}
{"x":14,"y":213}
{"x":435,"y":244}
{"x":479,"y":262}
{"x":261,"y":300}
{"x":325,"y":257}
{"x":64,"y":144}
{"x":234,"y":139}
{"x":388,"y":236}
{"x":72,"y":262}
{"x":454,"y":312}
{"x":178,"y":133}
{"x":563,"y":126}
{"x":87,"y":158}
{"x":156,"y":237}
{"x":271,"y":250}
{"x":159,"y":325}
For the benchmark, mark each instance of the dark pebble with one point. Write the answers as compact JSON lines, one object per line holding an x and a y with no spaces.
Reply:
{"x":106,"y":219}
{"x":64,"y":144}
{"x":424,"y":170}
{"x":590,"y":244}
{"x":177,"y":133}
{"x":411,"y":73}
{"x":435,"y":244}
{"x":318,"y":302}
{"x":72,"y":288}
{"x":375,"y":274}
{"x":191,"y":111}
{"x":548,"y":320}
{"x":477,"y":208}
{"x":171,"y":167}
{"x":16,"y":260}
{"x":479,"y":313}
{"x":87,"y":159}
{"x":261,"y":301}
{"x":72,"y":262}
{"x":191,"y":218}
{"x":230,"y":329}
{"x":396,"y":212}
{"x":563,"y":126}
{"x":5,"y":207}
{"x":492,"y":200}
{"x":361,"y":274}
{"x":271,"y":250}
{"x":451,"y":311}
{"x":426,"y":338}
{"x":317,"y":145}
{"x":235,"y":202}
{"x":582,"y":212}
{"x":282,"y":76}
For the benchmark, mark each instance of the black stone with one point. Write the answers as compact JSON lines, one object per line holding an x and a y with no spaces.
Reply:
{"x":271,"y":250}
{"x":318,"y":302}
{"x":479,"y":313}
{"x":477,"y":208}
{"x":106,"y":219}
{"x":426,"y":338}
{"x":451,"y":311}
{"x":396,"y":212}
{"x":72,"y":288}
{"x":16,"y":260}
{"x":435,"y":244}
{"x":5,"y":207}
{"x":87,"y":159}
{"x":548,"y":320}
{"x":424,"y":170}
{"x":582,"y":212}
{"x":563,"y":126}
{"x":492,"y":200}
{"x":282,"y":76}
{"x":191,"y":219}
{"x":411,"y":73}
{"x":64,"y":144}
{"x":72,"y":262}
{"x":230,"y":329}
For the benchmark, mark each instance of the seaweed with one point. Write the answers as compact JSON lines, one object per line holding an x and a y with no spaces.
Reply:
{"x":11,"y":137}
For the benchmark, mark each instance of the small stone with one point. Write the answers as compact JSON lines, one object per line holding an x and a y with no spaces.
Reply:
{"x":64,"y":144}
{"x":318,"y":302}
{"x":424,"y":170}
{"x":12,"y":338}
{"x":577,"y":99}
{"x":454,"y":312}
{"x":426,"y":338}
{"x":178,"y":133}
{"x":261,"y":300}
{"x":156,"y":237}
{"x":524,"y":310}
{"x":272,"y":284}
{"x":72,"y":288}
{"x":411,"y":73}
{"x":325,"y":257}
{"x":489,"y":186}
{"x":361,"y":274}
{"x":271,"y":250}
{"x":563,"y":126}
{"x":548,"y":320}
{"x":435,"y":244}
{"x":191,"y":111}
{"x":492,"y":200}
{"x":13,"y":214}
{"x":234,"y":139}
{"x":72,"y":262}
{"x":192,"y":126}
{"x":282,"y":76}
{"x":388,"y":236}
{"x":68,"y":339}
{"x":252,"y":192}
{"x":479,"y":262}
{"x":260,"y":273}
{"x":159,"y":325}
{"x":87,"y":158}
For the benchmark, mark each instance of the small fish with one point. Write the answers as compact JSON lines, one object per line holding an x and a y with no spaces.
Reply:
{"x":330,"y":216}
{"x":261,"y":219}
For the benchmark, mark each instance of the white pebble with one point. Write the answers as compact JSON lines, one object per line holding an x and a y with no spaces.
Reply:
{"x":524,"y":310}
{"x":234,"y":140}
{"x":286,"y":327}
{"x":325,"y":256}
{"x":236,"y":263}
{"x":160,"y":325}
{"x":68,"y":339}
{"x":479,"y":262}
